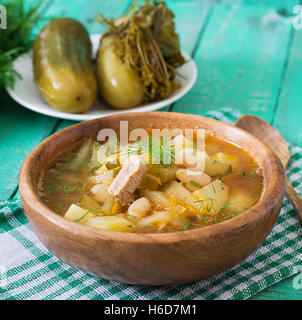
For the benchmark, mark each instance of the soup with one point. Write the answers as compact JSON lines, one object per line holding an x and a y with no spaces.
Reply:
{"x":123,"y":190}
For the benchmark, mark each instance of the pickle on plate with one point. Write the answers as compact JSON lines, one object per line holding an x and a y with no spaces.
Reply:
{"x":119,"y":85}
{"x":63,"y":67}
{"x":138,"y":56}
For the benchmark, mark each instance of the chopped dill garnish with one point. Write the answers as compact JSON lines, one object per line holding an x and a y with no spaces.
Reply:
{"x":229,"y":171}
{"x":49,"y":189}
{"x":160,"y":150}
{"x":131,"y":216}
{"x":66,"y":188}
{"x":226,"y":205}
{"x":186,"y":227}
{"x":208,"y":199}
{"x":71,"y":154}
{"x":208,"y":207}
{"x":59,"y":207}
{"x":196,"y":224}
{"x":83,"y":216}
{"x":213,"y":187}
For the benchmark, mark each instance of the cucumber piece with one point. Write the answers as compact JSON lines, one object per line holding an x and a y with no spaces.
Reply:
{"x":149,"y":182}
{"x":193,"y":186}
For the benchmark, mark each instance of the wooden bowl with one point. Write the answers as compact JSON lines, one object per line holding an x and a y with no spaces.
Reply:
{"x":152,"y":259}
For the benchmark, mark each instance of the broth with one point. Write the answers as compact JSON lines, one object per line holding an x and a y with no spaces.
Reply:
{"x":81,"y":187}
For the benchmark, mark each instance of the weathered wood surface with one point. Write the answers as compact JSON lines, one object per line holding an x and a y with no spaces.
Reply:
{"x":248,"y":59}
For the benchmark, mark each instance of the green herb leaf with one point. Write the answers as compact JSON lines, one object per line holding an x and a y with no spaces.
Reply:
{"x":226,"y":205}
{"x":16,"y":39}
{"x":84,"y":215}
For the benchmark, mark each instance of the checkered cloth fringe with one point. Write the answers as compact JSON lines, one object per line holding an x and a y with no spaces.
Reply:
{"x":29,"y":271}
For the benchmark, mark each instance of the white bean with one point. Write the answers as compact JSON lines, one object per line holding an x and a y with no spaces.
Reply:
{"x":139,"y":207}
{"x":100,"y":192}
{"x":187,"y":175}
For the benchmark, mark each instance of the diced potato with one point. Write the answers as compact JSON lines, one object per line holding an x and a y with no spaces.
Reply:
{"x":212,"y":197}
{"x":229,"y":159}
{"x":113,"y":223}
{"x":240,"y":199}
{"x":165,"y":174}
{"x":94,"y":163}
{"x":100,"y":192}
{"x":108,"y":205}
{"x":159,"y":219}
{"x":192,"y":175}
{"x":139,"y":207}
{"x":193,"y":186}
{"x":178,"y":192}
{"x":78,"y":214}
{"x":182,"y":142}
{"x":214,"y":167}
{"x":179,"y":209}
{"x":112,"y":162}
{"x":102,"y":153}
{"x":106,"y":177}
{"x":189,"y":158}
{"x":158,"y":198}
{"x":89,"y":203}
{"x":81,"y":156}
{"x":101,"y":169}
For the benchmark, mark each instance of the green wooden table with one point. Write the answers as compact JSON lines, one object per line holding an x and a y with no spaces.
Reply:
{"x":248,"y":57}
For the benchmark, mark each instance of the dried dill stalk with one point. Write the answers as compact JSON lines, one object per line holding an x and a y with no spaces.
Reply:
{"x":147,"y":42}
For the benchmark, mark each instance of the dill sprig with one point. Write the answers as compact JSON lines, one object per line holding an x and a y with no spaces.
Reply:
{"x":229,"y":171}
{"x":68,"y":189}
{"x":160,"y":150}
{"x":83,"y":216}
{"x":65,"y":188}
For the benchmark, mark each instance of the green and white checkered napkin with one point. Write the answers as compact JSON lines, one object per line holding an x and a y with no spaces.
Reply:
{"x":29,"y":271}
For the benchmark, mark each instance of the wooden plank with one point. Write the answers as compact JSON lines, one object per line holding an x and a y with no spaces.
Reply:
{"x":189,"y":19}
{"x":288,"y":117}
{"x":21,"y":129}
{"x":283,"y":290}
{"x":85,"y":11}
{"x":240,"y":61}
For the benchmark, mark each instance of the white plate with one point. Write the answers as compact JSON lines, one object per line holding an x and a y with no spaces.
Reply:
{"x":27,"y":94}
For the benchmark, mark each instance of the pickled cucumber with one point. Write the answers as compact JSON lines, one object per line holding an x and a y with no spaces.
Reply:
{"x":119,"y":85}
{"x":63,"y":67}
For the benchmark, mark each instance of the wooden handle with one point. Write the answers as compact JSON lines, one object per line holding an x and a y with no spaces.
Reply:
{"x":294,"y":198}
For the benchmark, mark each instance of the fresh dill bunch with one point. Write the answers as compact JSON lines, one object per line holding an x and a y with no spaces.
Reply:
{"x":8,"y":75}
{"x":16,"y":39}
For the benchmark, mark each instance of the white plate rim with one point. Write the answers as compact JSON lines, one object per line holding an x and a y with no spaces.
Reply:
{"x":52,"y":112}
